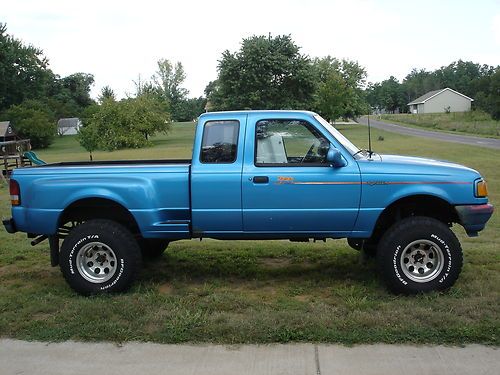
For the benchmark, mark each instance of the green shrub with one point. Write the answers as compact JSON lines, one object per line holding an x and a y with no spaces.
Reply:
{"x":124,"y":124}
{"x":32,"y":119}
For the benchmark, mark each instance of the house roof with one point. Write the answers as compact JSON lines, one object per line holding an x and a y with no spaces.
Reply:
{"x":71,"y":122}
{"x":431,"y":94}
{"x":6,"y":130}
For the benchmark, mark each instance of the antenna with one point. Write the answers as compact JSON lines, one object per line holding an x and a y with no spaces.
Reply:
{"x":370,"y":152}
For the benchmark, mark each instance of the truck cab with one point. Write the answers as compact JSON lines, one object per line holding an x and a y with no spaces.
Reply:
{"x":267,"y":175}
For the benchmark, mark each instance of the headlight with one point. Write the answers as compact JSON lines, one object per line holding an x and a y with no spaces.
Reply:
{"x":481,"y":189}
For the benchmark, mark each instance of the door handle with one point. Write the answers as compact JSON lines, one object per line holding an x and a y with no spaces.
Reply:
{"x":260,"y":180}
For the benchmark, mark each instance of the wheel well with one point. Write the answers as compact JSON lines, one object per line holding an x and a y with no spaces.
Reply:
{"x":416,"y":205}
{"x":98,"y":208}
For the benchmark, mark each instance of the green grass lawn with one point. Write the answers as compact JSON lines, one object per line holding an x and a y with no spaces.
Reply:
{"x":476,"y":123}
{"x":257,"y":291}
{"x":176,"y":144}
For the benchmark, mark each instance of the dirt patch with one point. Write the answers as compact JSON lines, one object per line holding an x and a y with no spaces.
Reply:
{"x":273,"y":263}
{"x":165,"y":289}
{"x":301,"y":298}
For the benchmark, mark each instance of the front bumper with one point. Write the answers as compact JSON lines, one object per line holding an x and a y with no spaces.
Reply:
{"x":474,"y":217}
{"x":9,"y":225}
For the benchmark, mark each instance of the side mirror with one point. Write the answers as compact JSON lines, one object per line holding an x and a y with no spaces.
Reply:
{"x":334,"y":157}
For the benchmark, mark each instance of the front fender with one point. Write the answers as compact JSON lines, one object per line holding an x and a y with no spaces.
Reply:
{"x":376,"y":197}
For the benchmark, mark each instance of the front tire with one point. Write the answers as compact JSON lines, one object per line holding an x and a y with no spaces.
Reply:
{"x":100,"y":256}
{"x":419,"y":254}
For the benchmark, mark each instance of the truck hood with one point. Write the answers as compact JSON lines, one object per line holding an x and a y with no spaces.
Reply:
{"x":391,"y":164}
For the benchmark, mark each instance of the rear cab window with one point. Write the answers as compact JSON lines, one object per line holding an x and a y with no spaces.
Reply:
{"x":220,"y":142}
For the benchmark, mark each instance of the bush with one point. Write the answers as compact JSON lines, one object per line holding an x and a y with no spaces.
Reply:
{"x":32,"y":119}
{"x":125,"y":124}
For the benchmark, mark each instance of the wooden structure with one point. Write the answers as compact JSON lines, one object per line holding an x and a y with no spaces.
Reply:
{"x":12,"y":155}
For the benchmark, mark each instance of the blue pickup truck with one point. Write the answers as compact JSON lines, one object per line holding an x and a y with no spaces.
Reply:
{"x":253,"y":175}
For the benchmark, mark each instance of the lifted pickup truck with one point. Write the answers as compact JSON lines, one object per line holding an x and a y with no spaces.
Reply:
{"x":253,"y":175}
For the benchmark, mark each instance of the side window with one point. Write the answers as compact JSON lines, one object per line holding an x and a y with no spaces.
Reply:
{"x":289,"y":142}
{"x":220,"y":142}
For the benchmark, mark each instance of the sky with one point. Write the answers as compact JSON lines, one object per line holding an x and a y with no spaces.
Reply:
{"x":117,"y":41}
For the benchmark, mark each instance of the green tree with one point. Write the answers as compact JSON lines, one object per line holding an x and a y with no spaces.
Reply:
{"x":145,"y":114}
{"x":339,"y":88}
{"x":24,"y":72}
{"x":71,"y":94}
{"x":124,"y":124}
{"x":189,"y":109}
{"x":419,"y":82}
{"x":107,"y":93}
{"x":266,"y":73}
{"x":392,"y":96}
{"x":89,"y":138}
{"x":332,"y":97}
{"x":489,"y":98}
{"x":168,"y":81}
{"x":33,"y":120}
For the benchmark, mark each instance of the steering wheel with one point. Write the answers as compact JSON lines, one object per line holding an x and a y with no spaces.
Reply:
{"x":308,"y":155}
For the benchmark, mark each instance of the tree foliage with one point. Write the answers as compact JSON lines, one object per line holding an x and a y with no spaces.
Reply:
{"x":339,"y":88}
{"x":168,"y":81}
{"x":24,"y":72}
{"x":124,"y":124}
{"x":33,"y":120}
{"x":388,"y":95}
{"x":69,"y":96}
{"x":266,"y":73}
{"x":189,"y":109}
{"x":489,"y":97}
{"x":107,"y":93}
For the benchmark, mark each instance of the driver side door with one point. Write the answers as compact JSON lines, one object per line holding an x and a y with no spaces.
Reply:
{"x":289,"y":187}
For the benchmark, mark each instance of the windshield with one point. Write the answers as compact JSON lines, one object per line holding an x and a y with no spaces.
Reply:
{"x":338,"y":135}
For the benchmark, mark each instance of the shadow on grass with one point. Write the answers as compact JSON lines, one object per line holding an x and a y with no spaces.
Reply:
{"x":204,"y":267}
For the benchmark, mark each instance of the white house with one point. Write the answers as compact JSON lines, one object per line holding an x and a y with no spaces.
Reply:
{"x":68,"y":126}
{"x":440,"y":101}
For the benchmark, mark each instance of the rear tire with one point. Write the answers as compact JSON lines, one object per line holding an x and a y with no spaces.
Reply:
{"x":419,"y":254}
{"x":100,"y":256}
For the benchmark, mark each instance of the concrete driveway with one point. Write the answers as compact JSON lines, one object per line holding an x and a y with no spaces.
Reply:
{"x":68,"y":358}
{"x":447,"y":137}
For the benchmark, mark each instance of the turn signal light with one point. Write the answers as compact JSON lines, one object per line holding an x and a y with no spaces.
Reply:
{"x":15,"y":193}
{"x":481,"y":189}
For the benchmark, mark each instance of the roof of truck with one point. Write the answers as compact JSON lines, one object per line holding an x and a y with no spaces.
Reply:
{"x":259,"y":111}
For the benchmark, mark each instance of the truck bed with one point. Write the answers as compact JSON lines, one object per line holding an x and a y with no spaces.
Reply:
{"x":155,"y":192}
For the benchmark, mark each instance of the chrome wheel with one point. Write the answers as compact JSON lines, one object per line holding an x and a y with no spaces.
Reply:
{"x":96,"y":262}
{"x":422,"y":260}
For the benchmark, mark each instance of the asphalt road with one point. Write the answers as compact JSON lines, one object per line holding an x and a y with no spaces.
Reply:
{"x":68,"y":358}
{"x":447,"y":137}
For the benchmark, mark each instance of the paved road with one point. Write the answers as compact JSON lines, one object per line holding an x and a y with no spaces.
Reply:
{"x":464,"y":139}
{"x":68,"y":358}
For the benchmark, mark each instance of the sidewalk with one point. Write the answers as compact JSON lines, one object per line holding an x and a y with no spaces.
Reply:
{"x":20,"y":357}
